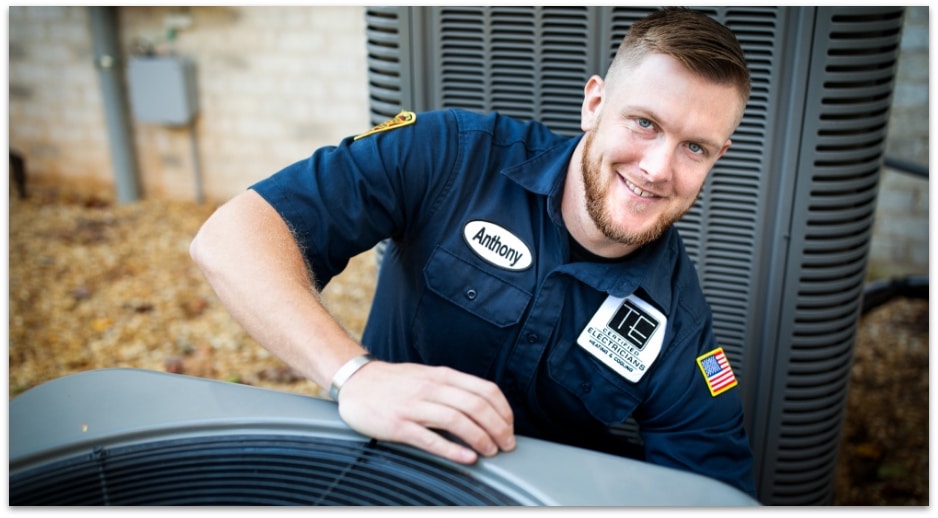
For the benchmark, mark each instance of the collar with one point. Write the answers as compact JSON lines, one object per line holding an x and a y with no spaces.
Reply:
{"x":544,"y":174}
{"x":650,"y":269}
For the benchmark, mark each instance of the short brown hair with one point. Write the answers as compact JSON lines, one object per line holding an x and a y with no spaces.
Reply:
{"x":703,"y":45}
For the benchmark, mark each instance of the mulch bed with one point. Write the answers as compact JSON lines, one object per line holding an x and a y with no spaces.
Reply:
{"x":95,"y":284}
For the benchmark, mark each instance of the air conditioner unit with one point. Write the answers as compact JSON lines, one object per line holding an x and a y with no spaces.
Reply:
{"x":780,"y":235}
{"x":126,"y":437}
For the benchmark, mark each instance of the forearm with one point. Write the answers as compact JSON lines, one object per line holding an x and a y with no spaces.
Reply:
{"x":251,"y":260}
{"x":253,"y":263}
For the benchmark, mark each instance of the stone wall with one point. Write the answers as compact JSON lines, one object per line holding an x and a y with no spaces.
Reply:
{"x":273,"y":85}
{"x":55,"y":110}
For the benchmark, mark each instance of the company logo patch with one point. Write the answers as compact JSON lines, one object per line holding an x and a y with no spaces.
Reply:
{"x":633,"y":324}
{"x":496,"y":245}
{"x":626,"y":334}
{"x":717,"y":371}
{"x":405,"y":118}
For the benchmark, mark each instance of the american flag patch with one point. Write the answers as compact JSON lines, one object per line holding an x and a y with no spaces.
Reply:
{"x":717,"y":371}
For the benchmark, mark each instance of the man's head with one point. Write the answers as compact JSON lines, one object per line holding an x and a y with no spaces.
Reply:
{"x":657,"y":123}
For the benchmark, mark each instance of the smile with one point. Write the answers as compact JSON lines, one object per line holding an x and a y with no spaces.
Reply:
{"x":634,"y":188}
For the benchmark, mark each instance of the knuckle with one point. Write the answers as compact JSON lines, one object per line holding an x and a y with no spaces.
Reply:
{"x":427,"y":441}
{"x":478,"y":407}
{"x":451,"y":419}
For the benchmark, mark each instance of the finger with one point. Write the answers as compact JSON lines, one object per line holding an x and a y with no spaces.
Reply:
{"x":480,"y":387}
{"x":468,"y":416}
{"x":434,"y":443}
{"x":408,"y":426}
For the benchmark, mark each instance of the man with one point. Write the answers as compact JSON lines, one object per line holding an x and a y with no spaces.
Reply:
{"x":533,"y":284}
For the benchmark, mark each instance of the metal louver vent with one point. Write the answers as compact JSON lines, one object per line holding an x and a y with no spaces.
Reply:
{"x":518,"y":61}
{"x":387,"y":63}
{"x":249,"y":470}
{"x":780,"y":233}
{"x":844,"y":130}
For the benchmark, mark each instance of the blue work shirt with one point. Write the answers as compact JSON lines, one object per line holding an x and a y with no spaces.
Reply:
{"x":479,"y":275}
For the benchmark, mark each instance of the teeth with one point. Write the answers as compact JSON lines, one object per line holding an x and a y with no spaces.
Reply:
{"x":634,"y":188}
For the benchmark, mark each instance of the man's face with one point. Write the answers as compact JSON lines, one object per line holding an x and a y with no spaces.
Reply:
{"x":651,"y":138}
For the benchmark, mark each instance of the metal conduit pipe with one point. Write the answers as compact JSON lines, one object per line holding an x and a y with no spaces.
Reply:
{"x":108,"y":62}
{"x":880,"y":292}
{"x":906,"y":166}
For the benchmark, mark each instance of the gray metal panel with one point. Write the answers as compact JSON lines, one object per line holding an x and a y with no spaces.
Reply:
{"x":838,"y":148}
{"x":526,"y":62}
{"x":781,"y":230}
{"x":162,"y":89}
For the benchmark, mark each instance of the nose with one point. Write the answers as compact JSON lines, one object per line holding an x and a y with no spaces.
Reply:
{"x":656,"y":161}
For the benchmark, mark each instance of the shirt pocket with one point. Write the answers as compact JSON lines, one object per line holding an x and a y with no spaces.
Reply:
{"x":608,"y":397}
{"x":478,"y":314}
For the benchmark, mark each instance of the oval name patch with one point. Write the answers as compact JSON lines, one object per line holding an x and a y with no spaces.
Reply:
{"x":497,"y":245}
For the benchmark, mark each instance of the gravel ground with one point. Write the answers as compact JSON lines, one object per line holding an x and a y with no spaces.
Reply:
{"x":98,"y":285}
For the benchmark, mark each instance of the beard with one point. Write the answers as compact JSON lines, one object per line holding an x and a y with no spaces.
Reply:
{"x":597,"y":204}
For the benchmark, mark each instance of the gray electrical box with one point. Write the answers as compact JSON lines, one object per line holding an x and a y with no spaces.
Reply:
{"x":162,"y":89}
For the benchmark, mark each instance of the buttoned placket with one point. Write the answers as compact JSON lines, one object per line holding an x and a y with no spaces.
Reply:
{"x":538,"y":327}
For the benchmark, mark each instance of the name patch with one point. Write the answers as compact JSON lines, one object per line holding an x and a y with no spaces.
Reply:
{"x":496,"y":245}
{"x":626,"y":334}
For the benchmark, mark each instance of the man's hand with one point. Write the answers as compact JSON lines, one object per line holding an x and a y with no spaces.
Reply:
{"x":406,"y":402}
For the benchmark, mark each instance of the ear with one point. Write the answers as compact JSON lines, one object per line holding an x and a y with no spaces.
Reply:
{"x":725,"y":147}
{"x":592,"y":102}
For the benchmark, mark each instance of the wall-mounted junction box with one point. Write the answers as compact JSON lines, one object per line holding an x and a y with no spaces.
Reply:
{"x":162,"y":89}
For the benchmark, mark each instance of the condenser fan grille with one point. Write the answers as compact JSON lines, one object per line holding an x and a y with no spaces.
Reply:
{"x":250,"y":470}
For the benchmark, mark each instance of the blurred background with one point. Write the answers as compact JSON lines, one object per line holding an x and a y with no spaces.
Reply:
{"x":272,"y":84}
{"x":99,"y":271}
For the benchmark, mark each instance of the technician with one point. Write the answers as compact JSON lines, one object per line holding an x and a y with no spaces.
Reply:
{"x":533,"y":285}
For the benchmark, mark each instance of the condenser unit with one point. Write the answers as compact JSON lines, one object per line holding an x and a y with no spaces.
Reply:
{"x":123,"y":437}
{"x":781,"y":232}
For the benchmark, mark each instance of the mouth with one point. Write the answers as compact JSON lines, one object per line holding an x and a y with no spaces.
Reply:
{"x":639,"y":191}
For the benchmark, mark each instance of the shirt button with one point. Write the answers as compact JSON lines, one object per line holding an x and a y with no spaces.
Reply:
{"x":585,"y":387}
{"x":471,"y":294}
{"x":532,"y":338}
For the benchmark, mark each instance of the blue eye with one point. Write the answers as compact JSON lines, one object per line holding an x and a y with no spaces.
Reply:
{"x":644,"y":123}
{"x":695,"y":148}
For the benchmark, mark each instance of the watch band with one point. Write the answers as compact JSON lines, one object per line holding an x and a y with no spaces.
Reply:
{"x":345,"y":372}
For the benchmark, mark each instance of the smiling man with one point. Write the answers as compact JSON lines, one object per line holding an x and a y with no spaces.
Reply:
{"x":533,"y":284}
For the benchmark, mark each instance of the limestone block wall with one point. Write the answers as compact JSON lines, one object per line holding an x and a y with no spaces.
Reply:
{"x":273,"y":84}
{"x":55,"y":110}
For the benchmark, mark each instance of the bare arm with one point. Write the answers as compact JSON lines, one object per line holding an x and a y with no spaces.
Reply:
{"x":253,"y":263}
